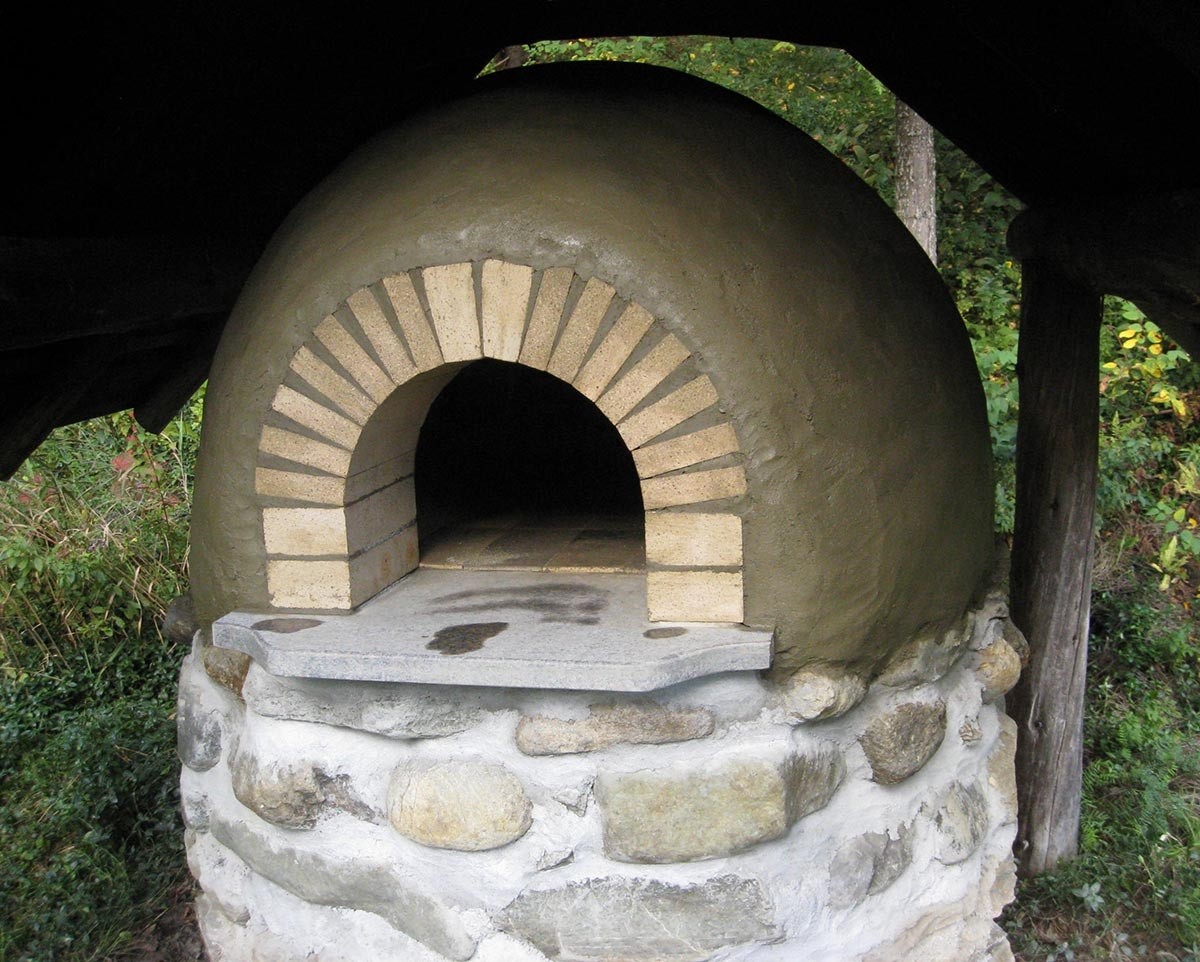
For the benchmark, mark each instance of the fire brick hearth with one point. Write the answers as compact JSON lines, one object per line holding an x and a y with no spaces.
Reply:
{"x":592,"y":543}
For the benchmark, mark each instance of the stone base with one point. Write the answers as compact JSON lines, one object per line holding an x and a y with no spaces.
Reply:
{"x":730,"y":817}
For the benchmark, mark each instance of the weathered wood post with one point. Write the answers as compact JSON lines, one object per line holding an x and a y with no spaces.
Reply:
{"x":1057,"y":439}
{"x":1145,"y":248}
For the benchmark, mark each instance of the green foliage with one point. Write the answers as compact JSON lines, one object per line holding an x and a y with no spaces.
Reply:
{"x":93,"y":539}
{"x":1140,"y":823}
{"x":1149,"y":489}
{"x":823,"y":91}
{"x":88,"y":828}
{"x":92,"y":548}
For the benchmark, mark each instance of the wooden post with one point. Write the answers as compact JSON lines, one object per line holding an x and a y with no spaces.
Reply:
{"x":1057,"y":443}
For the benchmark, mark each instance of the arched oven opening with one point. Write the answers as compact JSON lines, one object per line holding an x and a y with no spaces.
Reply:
{"x":518,"y":471}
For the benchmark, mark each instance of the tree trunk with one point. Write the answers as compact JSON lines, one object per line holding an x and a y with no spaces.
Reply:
{"x":1057,"y":441}
{"x":916,"y":178}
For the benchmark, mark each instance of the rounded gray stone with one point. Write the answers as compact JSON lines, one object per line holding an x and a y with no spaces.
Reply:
{"x":868,"y":864}
{"x":371,"y":884}
{"x":198,"y":719}
{"x":394,"y":710}
{"x":198,"y":734}
{"x":961,"y":823}
{"x":642,"y":920}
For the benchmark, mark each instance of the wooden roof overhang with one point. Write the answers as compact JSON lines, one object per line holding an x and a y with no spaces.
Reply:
{"x":151,"y":158}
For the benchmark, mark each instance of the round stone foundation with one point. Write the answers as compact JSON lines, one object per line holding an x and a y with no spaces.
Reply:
{"x":726,"y":818}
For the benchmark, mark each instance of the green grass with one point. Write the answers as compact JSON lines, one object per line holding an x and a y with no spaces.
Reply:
{"x":1134,"y":891}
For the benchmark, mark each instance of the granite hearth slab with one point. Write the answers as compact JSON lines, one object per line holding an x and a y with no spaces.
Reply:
{"x":500,"y":629}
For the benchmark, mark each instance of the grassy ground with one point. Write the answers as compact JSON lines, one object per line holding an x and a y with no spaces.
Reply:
{"x":1134,"y":892}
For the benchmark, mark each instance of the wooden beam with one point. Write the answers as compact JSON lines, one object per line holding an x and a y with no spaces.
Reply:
{"x":1057,"y":443}
{"x":1144,"y":248}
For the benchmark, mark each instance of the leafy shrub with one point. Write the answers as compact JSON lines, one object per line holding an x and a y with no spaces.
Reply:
{"x":93,"y":534}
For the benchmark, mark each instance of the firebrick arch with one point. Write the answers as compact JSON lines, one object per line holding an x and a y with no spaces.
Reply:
{"x":336,"y":451}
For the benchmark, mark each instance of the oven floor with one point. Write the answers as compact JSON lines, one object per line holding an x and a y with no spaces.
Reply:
{"x":583,"y":543}
{"x":513,"y":629}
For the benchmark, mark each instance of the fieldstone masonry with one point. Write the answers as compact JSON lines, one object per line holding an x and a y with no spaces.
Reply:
{"x":711,"y":819}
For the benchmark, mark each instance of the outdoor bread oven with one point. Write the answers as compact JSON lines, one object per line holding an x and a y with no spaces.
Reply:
{"x":593,"y":543}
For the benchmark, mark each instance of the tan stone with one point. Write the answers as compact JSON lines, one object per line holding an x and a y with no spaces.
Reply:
{"x":422,"y":344}
{"x":945,"y":932}
{"x":383,"y":564}
{"x":684,"y":451}
{"x":687,"y":814}
{"x":546,"y":317}
{"x":1002,"y":771}
{"x":307,"y":532}
{"x":316,"y":417}
{"x":816,"y":694}
{"x":580,"y":330}
{"x":226,"y":667}
{"x":352,"y":400}
{"x":899,"y":742}
{"x":1003,"y":884}
{"x":314,"y":488}
{"x":667,"y":412}
{"x":642,"y":378}
{"x":608,"y":725}
{"x":505,"y":302}
{"x":693,"y":487}
{"x":358,"y":363}
{"x":693,"y":540}
{"x":304,"y":450}
{"x":467,"y":806}
{"x":451,"y":293}
{"x":388,"y":346}
{"x":315,"y":585}
{"x":998,"y":667}
{"x":613,"y":351}
{"x":694,"y":596}
{"x":291,"y":797}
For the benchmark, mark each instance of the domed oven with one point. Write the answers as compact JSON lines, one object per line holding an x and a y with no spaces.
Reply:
{"x":593,"y":540}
